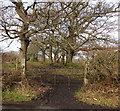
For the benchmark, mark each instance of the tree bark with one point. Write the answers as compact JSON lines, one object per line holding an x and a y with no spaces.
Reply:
{"x":51,"y":59}
{"x":35,"y":57}
{"x":43,"y":56}
{"x":56,"y":58}
{"x":63,"y":57}
{"x":23,"y":58}
{"x":85,"y":74}
{"x":69,"y":56}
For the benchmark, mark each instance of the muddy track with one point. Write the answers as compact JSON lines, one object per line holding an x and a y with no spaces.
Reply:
{"x":61,"y":97}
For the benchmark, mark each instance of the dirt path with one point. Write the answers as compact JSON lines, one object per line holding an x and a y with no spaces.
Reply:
{"x":62,"y":97}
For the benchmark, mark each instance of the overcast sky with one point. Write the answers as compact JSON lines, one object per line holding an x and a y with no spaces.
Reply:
{"x":16,"y":44}
{"x":64,"y":0}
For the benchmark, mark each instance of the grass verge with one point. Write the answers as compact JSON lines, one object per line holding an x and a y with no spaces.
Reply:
{"x":100,"y":94}
{"x":18,"y":94}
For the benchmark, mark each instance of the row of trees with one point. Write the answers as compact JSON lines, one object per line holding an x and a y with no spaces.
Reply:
{"x":76,"y":27}
{"x":60,"y":28}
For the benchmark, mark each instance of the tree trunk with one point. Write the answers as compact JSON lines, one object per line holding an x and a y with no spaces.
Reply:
{"x":56,"y":57}
{"x":51,"y":59}
{"x":35,"y":57}
{"x":69,"y":56}
{"x":63,"y":57}
{"x":16,"y":64}
{"x":23,"y":58}
{"x":43,"y":56}
{"x":85,"y":74}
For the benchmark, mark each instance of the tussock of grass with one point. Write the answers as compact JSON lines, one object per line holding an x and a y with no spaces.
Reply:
{"x":9,"y":67}
{"x":100,"y":94}
{"x":35,"y":63}
{"x":18,"y":94}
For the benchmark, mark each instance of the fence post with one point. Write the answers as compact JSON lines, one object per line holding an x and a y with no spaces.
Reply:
{"x":54,"y":79}
{"x":16,"y":64}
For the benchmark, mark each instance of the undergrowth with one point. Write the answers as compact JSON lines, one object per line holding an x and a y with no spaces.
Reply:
{"x":103,"y":93}
{"x":18,"y":94}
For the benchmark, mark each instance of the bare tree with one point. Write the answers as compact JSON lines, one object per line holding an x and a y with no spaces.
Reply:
{"x":18,"y":21}
{"x":71,"y":24}
{"x":82,"y":23}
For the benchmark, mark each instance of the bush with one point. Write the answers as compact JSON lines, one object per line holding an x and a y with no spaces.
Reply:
{"x":103,"y":93}
{"x":103,"y":66}
{"x":10,"y":79}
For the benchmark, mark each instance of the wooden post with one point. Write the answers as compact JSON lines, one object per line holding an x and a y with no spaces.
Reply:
{"x":16,"y":64}
{"x":86,"y":70}
{"x":54,"y":79}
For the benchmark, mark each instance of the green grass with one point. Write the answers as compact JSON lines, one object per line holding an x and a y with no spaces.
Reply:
{"x":0,"y":95}
{"x":72,"y":72}
{"x":18,"y":94}
{"x":72,"y":65}
{"x":70,"y":69}
{"x":35,"y":63}
{"x":10,"y":67}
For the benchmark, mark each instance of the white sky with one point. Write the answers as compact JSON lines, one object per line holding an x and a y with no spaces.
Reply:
{"x":13,"y":47}
{"x":16,"y":45}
